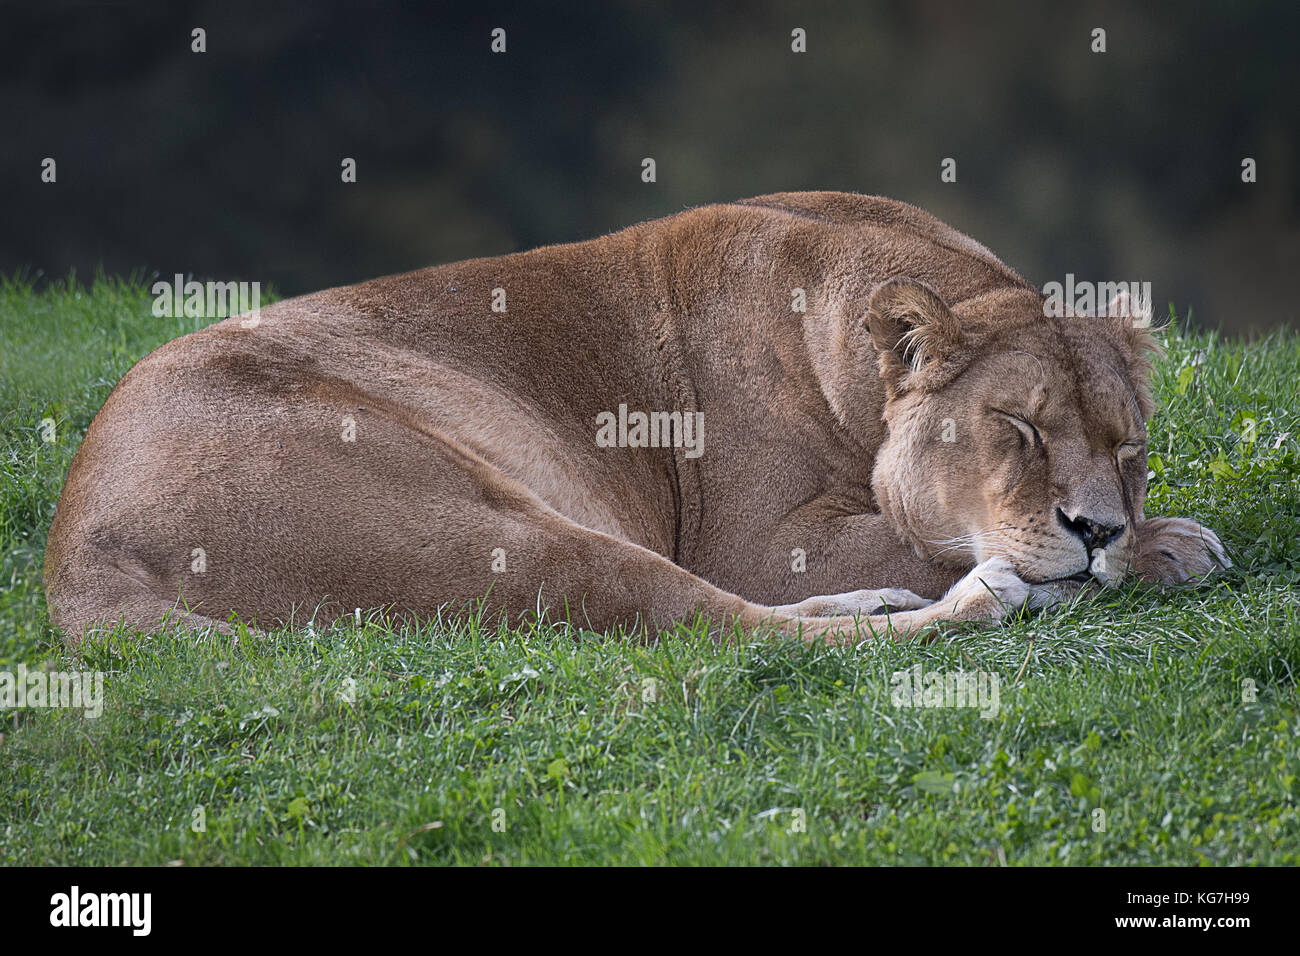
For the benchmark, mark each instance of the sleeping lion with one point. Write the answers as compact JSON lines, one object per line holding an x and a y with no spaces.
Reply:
{"x":827,"y":414}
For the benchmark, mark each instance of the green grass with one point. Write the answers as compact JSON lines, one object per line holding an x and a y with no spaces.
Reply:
{"x":455,"y":744}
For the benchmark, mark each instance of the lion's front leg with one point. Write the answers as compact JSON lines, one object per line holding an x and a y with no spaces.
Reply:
{"x":989,"y":592}
{"x":867,"y":601}
{"x":1176,"y":550}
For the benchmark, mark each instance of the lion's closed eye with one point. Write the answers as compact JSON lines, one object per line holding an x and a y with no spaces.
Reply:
{"x":1029,"y":434}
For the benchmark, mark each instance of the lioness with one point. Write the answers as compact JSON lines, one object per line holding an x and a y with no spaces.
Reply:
{"x":886,"y":432}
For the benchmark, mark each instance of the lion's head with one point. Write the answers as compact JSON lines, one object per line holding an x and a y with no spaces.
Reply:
{"x":1010,"y":433}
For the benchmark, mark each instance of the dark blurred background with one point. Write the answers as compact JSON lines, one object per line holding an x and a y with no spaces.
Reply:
{"x":1122,"y":166}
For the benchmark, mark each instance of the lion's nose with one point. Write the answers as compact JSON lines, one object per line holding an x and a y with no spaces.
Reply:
{"x":1094,"y":534}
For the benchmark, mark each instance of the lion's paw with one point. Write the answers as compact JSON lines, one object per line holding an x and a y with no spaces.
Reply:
{"x":1175,"y":550}
{"x":988,"y":592}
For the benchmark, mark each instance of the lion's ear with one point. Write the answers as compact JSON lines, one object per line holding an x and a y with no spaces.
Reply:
{"x":1131,"y":318}
{"x":912,"y":329}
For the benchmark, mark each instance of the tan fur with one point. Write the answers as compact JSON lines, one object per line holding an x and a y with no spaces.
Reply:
{"x":865,"y":432}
